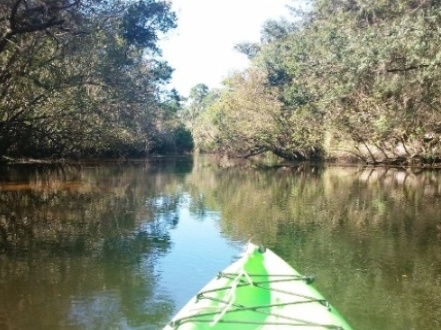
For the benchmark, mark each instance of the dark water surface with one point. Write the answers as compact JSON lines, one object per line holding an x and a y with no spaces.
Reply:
{"x":125,"y":246}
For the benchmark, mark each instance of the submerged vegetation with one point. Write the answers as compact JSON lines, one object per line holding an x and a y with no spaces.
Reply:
{"x":356,"y":80}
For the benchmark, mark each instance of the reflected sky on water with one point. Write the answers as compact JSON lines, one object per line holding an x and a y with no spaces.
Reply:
{"x":124,"y":246}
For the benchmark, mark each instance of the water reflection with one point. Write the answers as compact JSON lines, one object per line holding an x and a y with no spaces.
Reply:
{"x":372,"y":236}
{"x":79,"y":247}
{"x":125,"y":246}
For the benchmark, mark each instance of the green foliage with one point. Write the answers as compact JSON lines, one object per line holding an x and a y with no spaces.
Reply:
{"x":144,"y":19}
{"x":183,"y":139}
{"x":384,"y":97}
{"x":273,"y":31}
{"x":77,"y":79}
{"x":249,"y":49}
{"x":351,"y":78}
{"x":196,"y":104}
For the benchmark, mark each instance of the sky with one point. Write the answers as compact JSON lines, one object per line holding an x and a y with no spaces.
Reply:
{"x":201,"y":48}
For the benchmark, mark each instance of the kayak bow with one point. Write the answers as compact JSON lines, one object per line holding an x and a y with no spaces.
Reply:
{"x":258,"y":291}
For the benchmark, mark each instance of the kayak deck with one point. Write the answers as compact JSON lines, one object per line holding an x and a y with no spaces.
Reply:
{"x":258,"y":291}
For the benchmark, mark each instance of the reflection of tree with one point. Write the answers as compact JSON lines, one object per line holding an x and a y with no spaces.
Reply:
{"x":166,"y":207}
{"x":371,"y":235}
{"x":95,"y":235}
{"x":81,"y":245}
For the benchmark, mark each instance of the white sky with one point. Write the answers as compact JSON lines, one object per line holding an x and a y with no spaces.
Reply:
{"x":201,"y":48}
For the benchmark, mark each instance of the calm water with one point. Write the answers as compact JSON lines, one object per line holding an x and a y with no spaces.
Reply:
{"x":125,"y":246}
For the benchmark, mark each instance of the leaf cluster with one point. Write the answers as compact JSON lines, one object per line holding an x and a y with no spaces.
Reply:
{"x":82,"y":78}
{"x":350,"y":78}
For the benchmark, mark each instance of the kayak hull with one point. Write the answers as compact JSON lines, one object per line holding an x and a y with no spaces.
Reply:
{"x":258,"y":291}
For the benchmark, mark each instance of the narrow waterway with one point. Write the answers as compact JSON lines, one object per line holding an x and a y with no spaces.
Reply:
{"x":124,"y":246}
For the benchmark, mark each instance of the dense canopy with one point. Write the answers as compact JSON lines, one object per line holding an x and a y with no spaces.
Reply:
{"x":355,"y":79}
{"x":82,"y":78}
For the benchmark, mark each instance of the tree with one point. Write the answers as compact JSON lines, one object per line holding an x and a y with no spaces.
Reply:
{"x":143,"y":21}
{"x":275,"y":30}
{"x":351,"y":78}
{"x":380,"y":77}
{"x":249,"y":49}
{"x":80,"y":76}
{"x":196,"y":105}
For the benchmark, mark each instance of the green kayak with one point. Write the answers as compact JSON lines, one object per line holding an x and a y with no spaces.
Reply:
{"x":258,"y":291}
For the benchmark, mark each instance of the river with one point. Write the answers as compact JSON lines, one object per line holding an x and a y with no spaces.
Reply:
{"x":124,"y":246}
